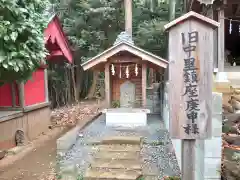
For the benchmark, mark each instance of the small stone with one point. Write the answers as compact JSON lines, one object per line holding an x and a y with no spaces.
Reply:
{"x":80,"y":135}
{"x":2,"y":154}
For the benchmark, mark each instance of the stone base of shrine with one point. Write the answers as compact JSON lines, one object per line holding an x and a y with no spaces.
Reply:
{"x":33,"y":122}
{"x":126,"y":117}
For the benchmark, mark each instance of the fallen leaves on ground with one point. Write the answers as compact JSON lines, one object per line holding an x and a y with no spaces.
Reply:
{"x":66,"y":116}
{"x":71,"y":115}
{"x":49,"y":176}
{"x":231,"y":139}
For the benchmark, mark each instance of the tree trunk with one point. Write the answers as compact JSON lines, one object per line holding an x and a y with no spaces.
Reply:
{"x":185,"y":6}
{"x":78,"y":73}
{"x":172,"y":9}
{"x":151,"y":76}
{"x":70,"y":86}
{"x":92,"y":90}
{"x":79,"y":80}
{"x":74,"y":84}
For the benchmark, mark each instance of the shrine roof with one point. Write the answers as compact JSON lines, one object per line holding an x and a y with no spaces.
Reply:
{"x":194,"y":15}
{"x":124,"y":46}
{"x":54,"y":34}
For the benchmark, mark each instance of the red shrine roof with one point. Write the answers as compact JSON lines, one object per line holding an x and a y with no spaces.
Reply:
{"x":55,"y":40}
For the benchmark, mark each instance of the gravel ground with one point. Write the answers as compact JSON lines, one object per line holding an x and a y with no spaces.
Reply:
{"x":157,"y":152}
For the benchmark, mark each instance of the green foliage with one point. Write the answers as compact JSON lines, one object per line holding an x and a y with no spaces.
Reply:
{"x":157,"y":143}
{"x":236,"y":157}
{"x":141,"y":178}
{"x":93,"y":25}
{"x":21,"y":38}
{"x":80,"y":177}
{"x":116,"y":104}
{"x":172,"y":178}
{"x":150,"y":35}
{"x":148,"y":24}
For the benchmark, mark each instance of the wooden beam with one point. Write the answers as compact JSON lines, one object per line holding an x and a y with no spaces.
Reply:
{"x":210,"y":14}
{"x":13,"y":93}
{"x":8,"y":108}
{"x":231,"y":2}
{"x":21,"y":95}
{"x":221,"y":40}
{"x":172,"y":10}
{"x":124,"y":59}
{"x":11,"y":116}
{"x":46,"y":85}
{"x":188,"y":159}
{"x":107,"y":85}
{"x":128,"y":16}
{"x":36,"y":106}
{"x":56,"y":53}
{"x":144,"y":85}
{"x":238,"y":9}
{"x":103,"y":57}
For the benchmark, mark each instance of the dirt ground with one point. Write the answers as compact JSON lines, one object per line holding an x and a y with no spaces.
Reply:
{"x":35,"y":165}
{"x":38,"y":162}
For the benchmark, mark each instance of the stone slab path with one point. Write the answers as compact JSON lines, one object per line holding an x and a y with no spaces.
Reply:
{"x":157,"y":153}
{"x":116,"y":158}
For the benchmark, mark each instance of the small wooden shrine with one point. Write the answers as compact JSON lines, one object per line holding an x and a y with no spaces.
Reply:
{"x":25,"y":106}
{"x":125,"y":66}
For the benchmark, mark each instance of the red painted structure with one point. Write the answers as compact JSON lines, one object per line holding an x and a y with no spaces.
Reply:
{"x":56,"y":41}
{"x":6,"y":96}
{"x":34,"y":89}
{"x":25,"y":106}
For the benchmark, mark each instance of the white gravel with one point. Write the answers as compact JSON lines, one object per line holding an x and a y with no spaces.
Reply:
{"x":158,"y":158}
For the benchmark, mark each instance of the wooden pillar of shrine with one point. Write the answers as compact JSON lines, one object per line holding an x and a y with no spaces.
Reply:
{"x":13,"y":93}
{"x":46,"y":84}
{"x":144,"y":85}
{"x":21,"y":94}
{"x":221,"y":40}
{"x":107,"y":85}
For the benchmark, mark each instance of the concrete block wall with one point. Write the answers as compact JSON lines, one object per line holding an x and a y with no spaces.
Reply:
{"x":208,"y":152}
{"x":213,"y":146}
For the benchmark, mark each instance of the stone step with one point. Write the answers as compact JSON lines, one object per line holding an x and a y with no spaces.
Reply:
{"x":116,"y":164}
{"x":117,"y":155}
{"x":119,"y":148}
{"x":116,"y":174}
{"x":150,"y":177}
{"x":122,"y":140}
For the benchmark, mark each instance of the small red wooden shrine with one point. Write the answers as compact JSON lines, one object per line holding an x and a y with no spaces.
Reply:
{"x":26,"y":106}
